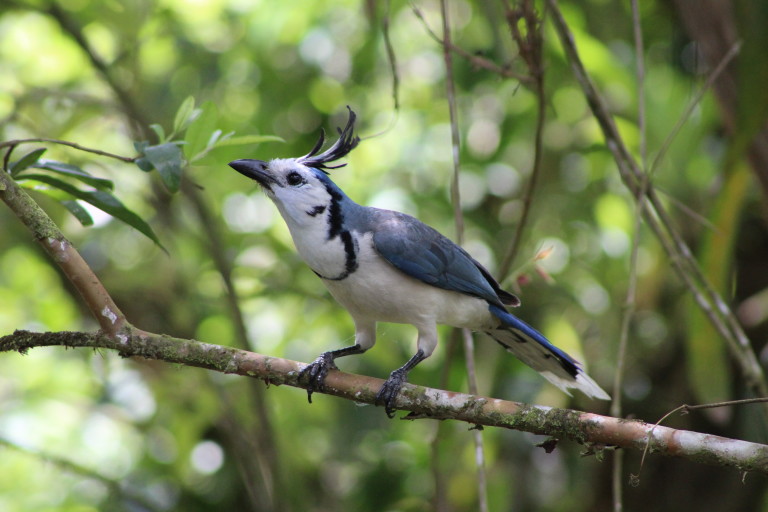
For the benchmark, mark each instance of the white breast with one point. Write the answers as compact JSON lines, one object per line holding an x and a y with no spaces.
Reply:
{"x":379,"y":291}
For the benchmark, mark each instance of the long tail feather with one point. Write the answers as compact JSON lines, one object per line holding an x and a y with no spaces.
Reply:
{"x":532,"y":348}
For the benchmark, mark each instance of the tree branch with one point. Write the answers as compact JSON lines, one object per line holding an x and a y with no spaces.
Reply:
{"x":530,"y":45}
{"x":589,"y":429}
{"x":659,"y":221}
{"x":99,"y":302}
{"x":16,"y":142}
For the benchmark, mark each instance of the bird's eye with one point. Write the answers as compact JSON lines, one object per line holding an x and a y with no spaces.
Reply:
{"x":295,"y":179}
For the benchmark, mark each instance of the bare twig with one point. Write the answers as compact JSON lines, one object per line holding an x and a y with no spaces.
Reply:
{"x":16,"y":142}
{"x":685,"y":409}
{"x":441,"y":432}
{"x":391,"y":58}
{"x":530,"y":45}
{"x":74,"y":30}
{"x":629,"y":301}
{"x":477,"y":61}
{"x":640,"y":76}
{"x":469,"y":349}
{"x":727,"y":58}
{"x":728,"y":403}
{"x":455,"y":140}
{"x":658,"y":220}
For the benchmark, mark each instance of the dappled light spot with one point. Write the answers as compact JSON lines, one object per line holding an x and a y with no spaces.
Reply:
{"x":207,"y":457}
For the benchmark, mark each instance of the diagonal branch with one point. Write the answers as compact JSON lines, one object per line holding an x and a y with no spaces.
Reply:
{"x":593,"y":430}
{"x":659,"y":221}
{"x":97,"y":299}
{"x":69,"y":26}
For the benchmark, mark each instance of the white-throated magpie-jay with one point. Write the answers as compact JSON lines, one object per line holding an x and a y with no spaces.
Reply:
{"x":383,"y":265}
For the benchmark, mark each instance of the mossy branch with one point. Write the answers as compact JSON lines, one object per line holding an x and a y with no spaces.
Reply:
{"x":592,"y":430}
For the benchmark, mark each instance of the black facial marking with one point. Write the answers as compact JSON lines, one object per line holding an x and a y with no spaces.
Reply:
{"x":336,"y":219}
{"x":336,"y":228}
{"x":350,"y":251}
{"x":350,"y":258}
{"x":317,"y":210}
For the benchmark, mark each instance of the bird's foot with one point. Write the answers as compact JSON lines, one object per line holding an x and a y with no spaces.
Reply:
{"x":389,"y":391}
{"x":316,"y":373}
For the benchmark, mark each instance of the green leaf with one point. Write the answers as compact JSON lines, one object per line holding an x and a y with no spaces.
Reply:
{"x":74,"y":172}
{"x":199,"y":133}
{"x":248,"y":139}
{"x":168,"y":160}
{"x":79,"y":212}
{"x":103,"y":201}
{"x":159,"y":131}
{"x":185,"y":114}
{"x":143,"y":164}
{"x":25,"y":161}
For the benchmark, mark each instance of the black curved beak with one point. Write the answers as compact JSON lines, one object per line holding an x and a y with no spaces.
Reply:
{"x":254,"y":169}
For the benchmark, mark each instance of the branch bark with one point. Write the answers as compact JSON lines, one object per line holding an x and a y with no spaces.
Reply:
{"x":99,"y":302}
{"x":592,"y":430}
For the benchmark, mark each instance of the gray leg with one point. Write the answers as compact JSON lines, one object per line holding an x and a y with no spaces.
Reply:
{"x":317,"y":371}
{"x":392,"y":385}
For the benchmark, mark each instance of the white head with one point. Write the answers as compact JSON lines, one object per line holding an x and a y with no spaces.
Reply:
{"x":300,"y":187}
{"x":302,"y":194}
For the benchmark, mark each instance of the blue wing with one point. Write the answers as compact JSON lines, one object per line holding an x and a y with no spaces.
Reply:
{"x":422,"y":253}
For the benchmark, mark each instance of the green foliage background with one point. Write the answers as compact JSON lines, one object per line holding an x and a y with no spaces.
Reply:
{"x":147,"y":436}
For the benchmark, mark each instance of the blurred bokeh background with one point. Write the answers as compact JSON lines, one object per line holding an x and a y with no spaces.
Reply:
{"x":86,"y":430}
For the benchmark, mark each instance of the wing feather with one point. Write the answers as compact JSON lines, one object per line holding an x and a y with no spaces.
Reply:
{"x":424,"y":254}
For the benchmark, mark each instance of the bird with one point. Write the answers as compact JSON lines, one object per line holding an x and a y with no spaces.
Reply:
{"x":387,"y":266}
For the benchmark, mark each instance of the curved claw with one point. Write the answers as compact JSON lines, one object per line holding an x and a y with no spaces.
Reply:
{"x":389,"y":391}
{"x":317,"y":371}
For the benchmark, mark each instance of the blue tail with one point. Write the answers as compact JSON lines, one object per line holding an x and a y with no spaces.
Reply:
{"x":532,"y":348}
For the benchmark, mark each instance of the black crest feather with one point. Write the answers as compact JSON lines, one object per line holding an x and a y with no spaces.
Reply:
{"x":347,"y":142}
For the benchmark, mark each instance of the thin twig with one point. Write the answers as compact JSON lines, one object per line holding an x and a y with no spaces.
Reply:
{"x":440,"y":498}
{"x":391,"y":58}
{"x":74,"y":30}
{"x":16,"y":142}
{"x":727,"y":58}
{"x":469,"y":350}
{"x":660,"y":223}
{"x":617,"y":483}
{"x":530,"y":46}
{"x":685,"y":409}
{"x":640,"y":77}
{"x":728,"y":403}
{"x":477,"y":61}
{"x":450,"y":89}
